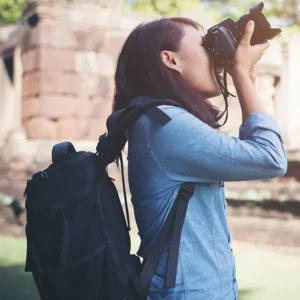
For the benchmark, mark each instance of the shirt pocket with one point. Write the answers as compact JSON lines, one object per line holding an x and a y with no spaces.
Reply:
{"x":157,"y":290}
{"x":156,"y":287}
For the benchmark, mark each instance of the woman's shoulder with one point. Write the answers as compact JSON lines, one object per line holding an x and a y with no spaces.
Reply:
{"x":174,"y":111}
{"x":179,"y":115}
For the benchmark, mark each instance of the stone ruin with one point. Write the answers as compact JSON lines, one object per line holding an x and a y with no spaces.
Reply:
{"x":57,"y":83}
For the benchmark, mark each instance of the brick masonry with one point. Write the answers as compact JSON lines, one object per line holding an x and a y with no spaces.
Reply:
{"x":68,"y":67}
{"x":68,"y":71}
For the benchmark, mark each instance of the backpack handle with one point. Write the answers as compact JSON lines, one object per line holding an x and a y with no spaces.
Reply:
{"x":61,"y":150}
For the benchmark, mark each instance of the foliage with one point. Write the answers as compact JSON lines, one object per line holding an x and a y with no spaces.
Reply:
{"x":11,"y":10}
{"x":164,"y":7}
{"x":283,"y":12}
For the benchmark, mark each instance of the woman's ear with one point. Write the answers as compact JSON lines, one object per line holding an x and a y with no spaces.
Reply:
{"x":171,"y":60}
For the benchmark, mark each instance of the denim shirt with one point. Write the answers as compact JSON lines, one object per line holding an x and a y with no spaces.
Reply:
{"x":161,"y":158}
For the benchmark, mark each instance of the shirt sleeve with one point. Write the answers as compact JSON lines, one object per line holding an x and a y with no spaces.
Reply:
{"x":191,"y":151}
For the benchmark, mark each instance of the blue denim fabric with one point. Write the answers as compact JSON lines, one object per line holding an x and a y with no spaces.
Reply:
{"x":160,"y":159}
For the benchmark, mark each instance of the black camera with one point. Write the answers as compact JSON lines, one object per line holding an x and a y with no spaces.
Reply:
{"x":222,"y":39}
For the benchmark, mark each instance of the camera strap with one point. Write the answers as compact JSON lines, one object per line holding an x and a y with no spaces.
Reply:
{"x":226,"y":94}
{"x":223,"y":85}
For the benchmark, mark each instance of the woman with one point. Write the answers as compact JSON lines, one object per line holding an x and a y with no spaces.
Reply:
{"x":166,"y":59}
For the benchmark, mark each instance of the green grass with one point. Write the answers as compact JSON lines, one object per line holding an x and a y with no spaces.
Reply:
{"x":264,"y":273}
{"x":15,"y":284}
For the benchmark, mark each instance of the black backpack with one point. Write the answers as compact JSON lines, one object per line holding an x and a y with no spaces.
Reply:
{"x":78,"y":243}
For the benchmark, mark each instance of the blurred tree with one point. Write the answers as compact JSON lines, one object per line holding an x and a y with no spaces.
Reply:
{"x":163,"y":7}
{"x":287,"y":12}
{"x":11,"y":10}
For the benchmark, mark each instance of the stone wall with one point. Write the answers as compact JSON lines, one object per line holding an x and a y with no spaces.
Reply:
{"x":68,"y":63}
{"x":69,"y":60}
{"x":7,"y":103}
{"x":10,"y":80}
{"x":68,"y":77}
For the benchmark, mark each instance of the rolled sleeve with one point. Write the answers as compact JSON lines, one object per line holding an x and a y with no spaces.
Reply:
{"x":189,"y":150}
{"x":260,"y":121}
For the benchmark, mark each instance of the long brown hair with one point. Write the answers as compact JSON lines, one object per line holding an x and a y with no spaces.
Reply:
{"x":141,"y":72}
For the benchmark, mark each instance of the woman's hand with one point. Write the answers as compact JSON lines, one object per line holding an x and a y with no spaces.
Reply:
{"x":246,"y":56}
{"x":253,"y":75}
{"x":242,"y":71}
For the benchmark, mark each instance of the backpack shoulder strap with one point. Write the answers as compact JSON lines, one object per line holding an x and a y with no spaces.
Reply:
{"x":121,"y":121}
{"x":117,"y":124}
{"x":110,"y":145}
{"x":171,"y":230}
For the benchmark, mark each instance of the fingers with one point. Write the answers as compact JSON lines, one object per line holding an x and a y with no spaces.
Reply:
{"x":249,"y":29}
{"x":263,"y":47}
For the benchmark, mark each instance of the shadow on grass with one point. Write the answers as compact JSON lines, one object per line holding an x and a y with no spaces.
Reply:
{"x":15,"y":284}
{"x":247,"y":294}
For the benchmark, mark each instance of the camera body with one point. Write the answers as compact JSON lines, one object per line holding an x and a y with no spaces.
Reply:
{"x":222,"y":39}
